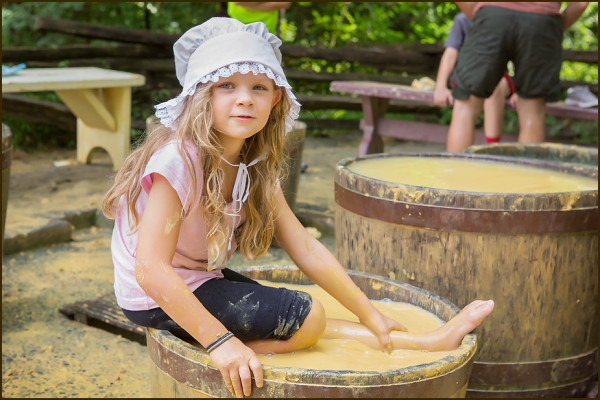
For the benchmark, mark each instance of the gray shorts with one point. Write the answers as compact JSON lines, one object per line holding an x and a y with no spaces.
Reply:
{"x":533,"y":42}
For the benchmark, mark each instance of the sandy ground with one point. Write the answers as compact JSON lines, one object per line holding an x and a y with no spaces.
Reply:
{"x":44,"y":354}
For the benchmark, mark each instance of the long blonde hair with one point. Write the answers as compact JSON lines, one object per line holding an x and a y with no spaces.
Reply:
{"x":195,"y":127}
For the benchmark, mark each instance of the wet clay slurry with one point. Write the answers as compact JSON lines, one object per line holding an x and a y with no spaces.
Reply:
{"x":471,"y":175}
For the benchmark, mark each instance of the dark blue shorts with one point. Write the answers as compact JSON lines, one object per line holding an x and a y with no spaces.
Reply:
{"x":248,"y":309}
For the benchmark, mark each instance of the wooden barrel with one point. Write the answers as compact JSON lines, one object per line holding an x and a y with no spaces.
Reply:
{"x":180,"y":369}
{"x":6,"y":158}
{"x":568,"y":153}
{"x":292,"y":151}
{"x":535,"y":255}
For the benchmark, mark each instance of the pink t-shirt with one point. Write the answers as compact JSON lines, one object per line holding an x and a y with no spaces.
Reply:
{"x":191,"y":251}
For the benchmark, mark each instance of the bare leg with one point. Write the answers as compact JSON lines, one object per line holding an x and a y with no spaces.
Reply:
{"x":462,"y":125}
{"x":447,"y":337}
{"x":531,"y":120}
{"x":493,"y":110}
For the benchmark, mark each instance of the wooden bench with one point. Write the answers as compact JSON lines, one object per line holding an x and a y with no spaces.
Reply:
{"x":375,"y":97}
{"x":99,"y":98}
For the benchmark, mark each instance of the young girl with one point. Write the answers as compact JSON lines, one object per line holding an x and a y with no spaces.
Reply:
{"x":207,"y":182}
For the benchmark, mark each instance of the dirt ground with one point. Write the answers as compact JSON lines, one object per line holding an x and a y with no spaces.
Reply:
{"x":45,"y":354}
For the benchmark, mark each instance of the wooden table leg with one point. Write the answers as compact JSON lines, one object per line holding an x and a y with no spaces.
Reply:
{"x":373,"y":109}
{"x":103,"y":120}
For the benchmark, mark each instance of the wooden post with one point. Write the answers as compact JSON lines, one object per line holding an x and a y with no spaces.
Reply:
{"x":373,"y":109}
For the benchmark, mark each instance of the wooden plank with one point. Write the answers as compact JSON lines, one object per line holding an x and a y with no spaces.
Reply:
{"x":42,"y":79}
{"x":404,"y":92}
{"x":103,"y":312}
{"x":97,"y":31}
{"x":560,"y":109}
{"x":426,"y":131}
{"x":69,"y":52}
{"x":381,"y":89}
{"x":337,"y":102}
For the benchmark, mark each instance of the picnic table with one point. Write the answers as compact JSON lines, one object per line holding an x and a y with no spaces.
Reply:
{"x":99,"y":98}
{"x":376,"y":96}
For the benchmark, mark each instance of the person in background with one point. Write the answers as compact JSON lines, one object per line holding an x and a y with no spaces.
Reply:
{"x":528,"y":34}
{"x":493,"y":106}
{"x":258,"y":11}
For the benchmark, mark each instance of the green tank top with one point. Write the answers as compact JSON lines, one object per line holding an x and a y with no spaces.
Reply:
{"x":270,"y":18}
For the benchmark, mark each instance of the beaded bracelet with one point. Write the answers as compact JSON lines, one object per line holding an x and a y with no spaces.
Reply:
{"x":220,"y":340}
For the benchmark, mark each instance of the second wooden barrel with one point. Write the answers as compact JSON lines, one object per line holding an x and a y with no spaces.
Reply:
{"x":293,"y":147}
{"x":181,"y":369}
{"x":568,"y":153}
{"x":534,"y":254}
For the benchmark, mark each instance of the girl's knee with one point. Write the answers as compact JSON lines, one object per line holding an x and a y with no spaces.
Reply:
{"x":313,"y":326}
{"x":317,"y":316}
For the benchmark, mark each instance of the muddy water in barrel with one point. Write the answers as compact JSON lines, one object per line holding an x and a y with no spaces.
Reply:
{"x":471,"y":176}
{"x":340,"y":354}
{"x":519,"y":231}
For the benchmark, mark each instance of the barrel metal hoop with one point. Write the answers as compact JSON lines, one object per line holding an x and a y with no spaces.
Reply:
{"x":537,"y":372}
{"x":569,"y":390}
{"x":468,"y":220}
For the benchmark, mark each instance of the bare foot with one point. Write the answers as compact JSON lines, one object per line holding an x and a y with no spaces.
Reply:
{"x":469,"y":318}
{"x":445,"y":338}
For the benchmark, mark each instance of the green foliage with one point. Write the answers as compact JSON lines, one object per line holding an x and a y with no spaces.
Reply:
{"x":578,"y":71}
{"x":336,"y":24}
{"x":582,"y":35}
{"x":27,"y":135}
{"x":585,"y":132}
{"x":170,"y":17}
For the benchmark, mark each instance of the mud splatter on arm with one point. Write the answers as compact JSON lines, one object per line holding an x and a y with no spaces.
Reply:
{"x":158,"y":235}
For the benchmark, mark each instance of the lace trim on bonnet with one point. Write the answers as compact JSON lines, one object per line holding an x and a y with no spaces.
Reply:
{"x":169,"y":111}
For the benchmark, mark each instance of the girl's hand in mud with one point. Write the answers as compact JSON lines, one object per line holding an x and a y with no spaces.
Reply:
{"x":381,"y":327}
{"x":235,"y":361}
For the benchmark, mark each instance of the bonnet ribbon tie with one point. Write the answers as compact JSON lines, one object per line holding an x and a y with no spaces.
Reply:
{"x":241,"y":189}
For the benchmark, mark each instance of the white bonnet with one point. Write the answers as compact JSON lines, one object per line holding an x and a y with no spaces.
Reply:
{"x":219,"y":48}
